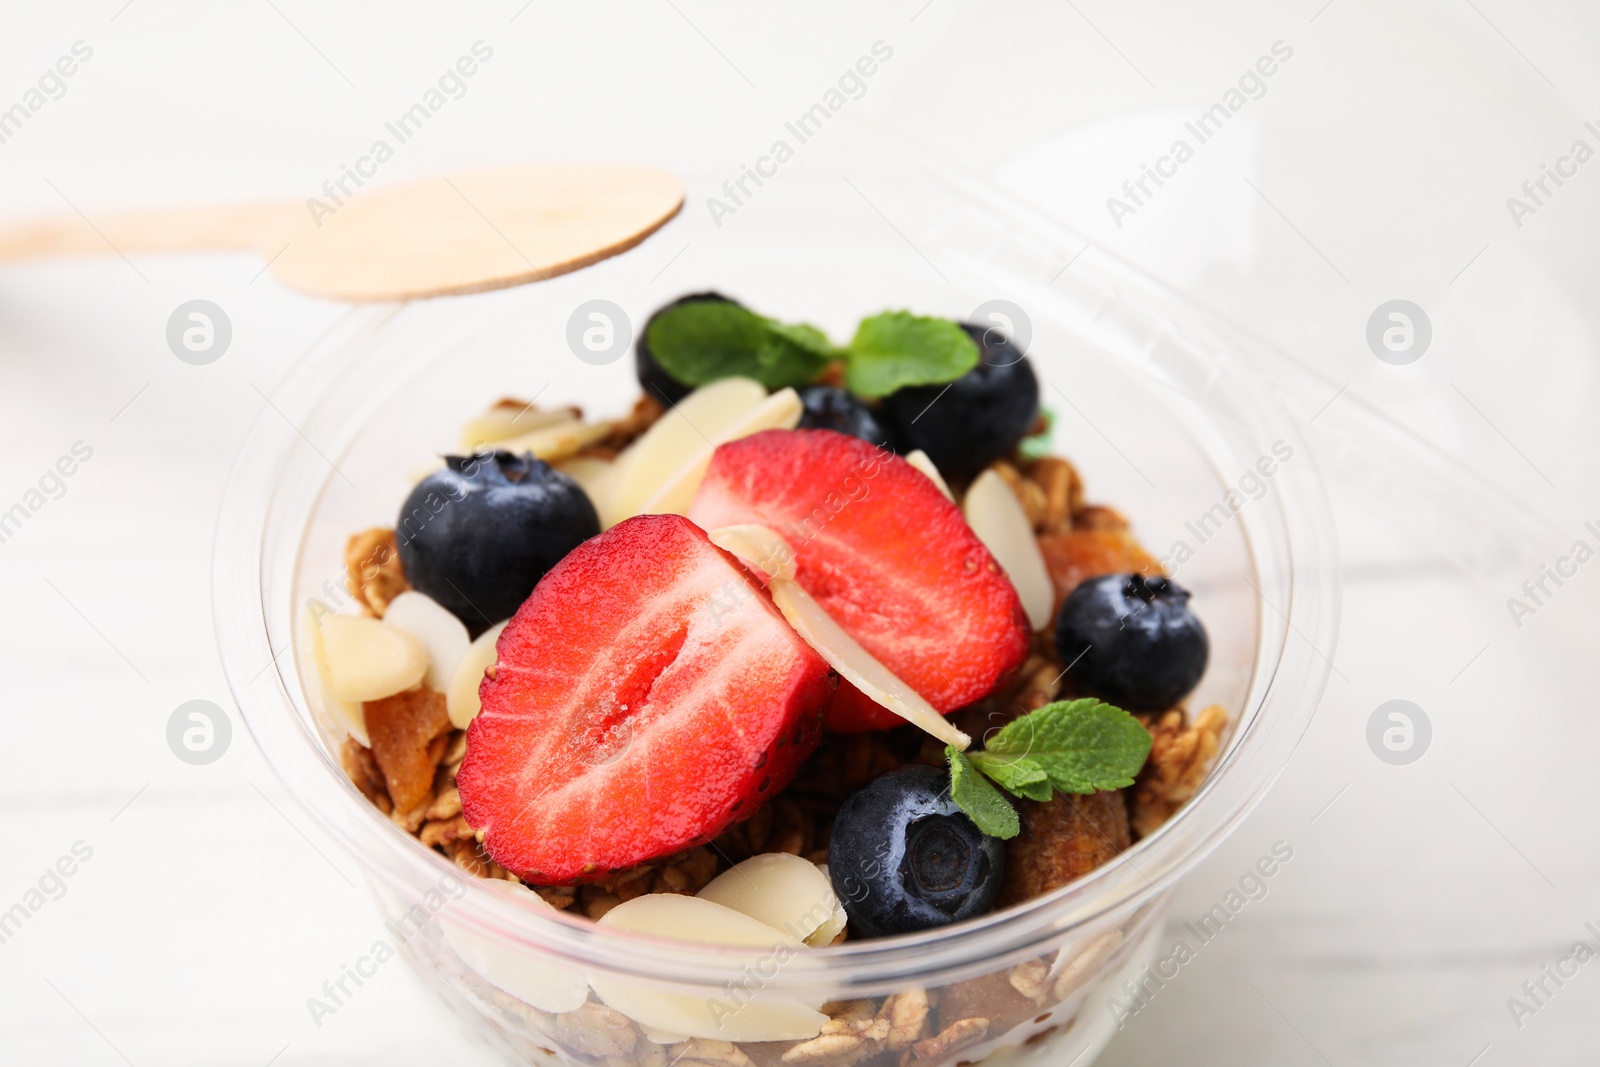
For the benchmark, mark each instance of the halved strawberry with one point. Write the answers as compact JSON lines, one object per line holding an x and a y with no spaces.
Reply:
{"x":889,"y":558}
{"x":647,"y":695}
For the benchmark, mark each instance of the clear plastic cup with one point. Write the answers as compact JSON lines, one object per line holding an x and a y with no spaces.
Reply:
{"x":1162,"y":419}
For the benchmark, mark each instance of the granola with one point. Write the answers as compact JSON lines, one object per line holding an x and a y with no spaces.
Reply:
{"x":372,"y":562}
{"x":1180,"y":757}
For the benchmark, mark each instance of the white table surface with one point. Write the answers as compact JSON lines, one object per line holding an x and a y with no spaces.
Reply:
{"x":1419,"y":898}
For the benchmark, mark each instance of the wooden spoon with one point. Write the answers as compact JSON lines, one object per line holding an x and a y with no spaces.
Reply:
{"x":455,"y":233}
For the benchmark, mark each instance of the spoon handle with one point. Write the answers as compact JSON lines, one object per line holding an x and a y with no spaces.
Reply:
{"x":210,"y":226}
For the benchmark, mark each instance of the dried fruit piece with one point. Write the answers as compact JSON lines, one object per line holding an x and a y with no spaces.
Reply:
{"x":362,"y":659}
{"x":646,"y":695}
{"x":462,"y":694}
{"x":785,"y":892}
{"x":402,"y":727}
{"x":1062,"y":840}
{"x":440,"y":632}
{"x":1080,"y":554}
{"x":997,"y":518}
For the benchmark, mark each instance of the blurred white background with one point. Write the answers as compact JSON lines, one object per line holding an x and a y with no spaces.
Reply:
{"x":1374,"y":164}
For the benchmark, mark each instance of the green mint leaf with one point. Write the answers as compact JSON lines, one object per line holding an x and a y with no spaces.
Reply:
{"x":706,"y":340}
{"x":1082,"y":745}
{"x":806,"y":337}
{"x":896,"y":349}
{"x":1040,"y":444}
{"x":989,"y":810}
{"x":1017,"y":774}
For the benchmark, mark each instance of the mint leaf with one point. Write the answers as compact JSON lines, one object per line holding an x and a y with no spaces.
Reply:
{"x":1039,"y":445}
{"x":705,"y":340}
{"x":990,"y":811}
{"x":1082,"y":745}
{"x":806,"y":337}
{"x":896,"y":349}
{"x":1017,"y":774}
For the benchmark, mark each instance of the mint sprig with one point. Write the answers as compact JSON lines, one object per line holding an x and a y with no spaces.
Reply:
{"x":1074,"y":746}
{"x":705,"y":340}
{"x":897,"y":349}
{"x":982,"y":802}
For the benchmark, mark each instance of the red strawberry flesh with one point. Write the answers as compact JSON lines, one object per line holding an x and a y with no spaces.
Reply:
{"x":647,"y":695}
{"x":885,"y":553}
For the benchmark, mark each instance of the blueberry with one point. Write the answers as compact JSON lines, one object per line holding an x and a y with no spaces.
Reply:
{"x":653,"y":377}
{"x":1132,"y":641}
{"x":478,"y":535}
{"x":828,"y":408}
{"x":967,"y":424}
{"x":903,"y":857}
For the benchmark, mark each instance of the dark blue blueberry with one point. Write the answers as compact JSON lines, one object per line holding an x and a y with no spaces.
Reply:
{"x":903,"y":857}
{"x":478,"y":535}
{"x":967,"y":424}
{"x":828,"y":408}
{"x":653,"y":377}
{"x":1132,"y":641}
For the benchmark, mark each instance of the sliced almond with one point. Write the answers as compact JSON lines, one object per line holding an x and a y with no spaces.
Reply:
{"x":552,"y":443}
{"x":694,"y":919}
{"x":440,"y":632}
{"x":346,"y":714}
{"x":736,"y":1017}
{"x":780,"y":411}
{"x":920,"y":461}
{"x":841,"y":651}
{"x":784,"y":891}
{"x":509,"y":419}
{"x":461,"y":698}
{"x":856,"y":665}
{"x":534,"y":979}
{"x":996,"y":516}
{"x":556,"y":442}
{"x":759,"y":546}
{"x":648,"y":463}
{"x":365,"y":660}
